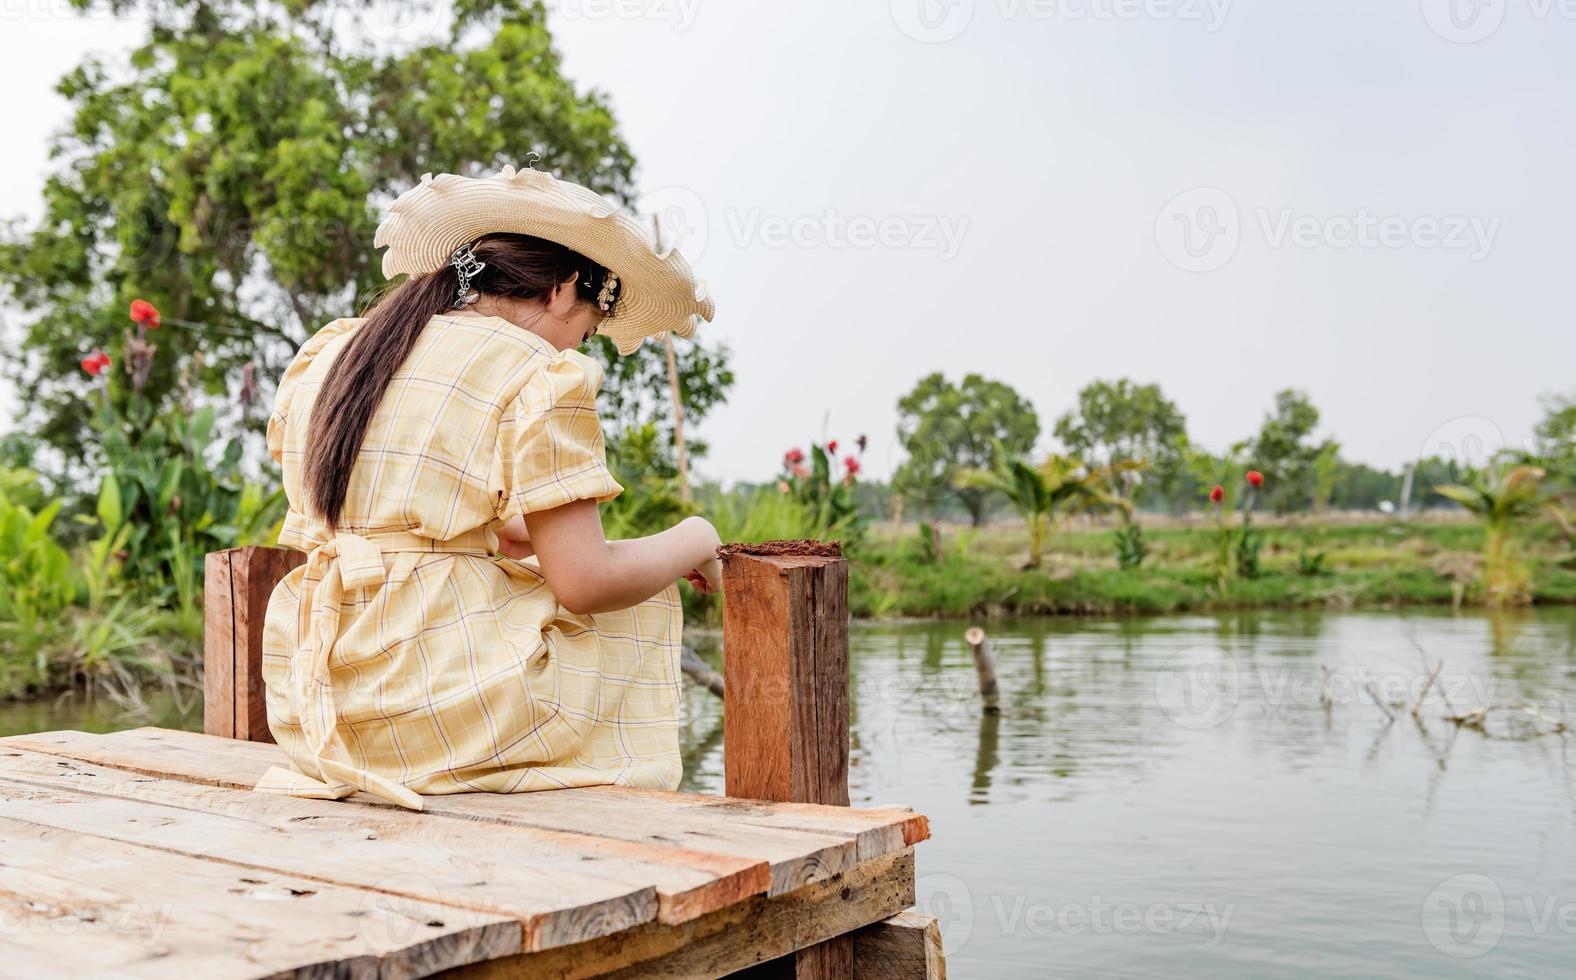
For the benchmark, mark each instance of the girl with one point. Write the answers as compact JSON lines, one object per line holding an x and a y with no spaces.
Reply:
{"x":457,"y":420}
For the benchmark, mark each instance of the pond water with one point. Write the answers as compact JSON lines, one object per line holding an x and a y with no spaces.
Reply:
{"x":1174,"y":797}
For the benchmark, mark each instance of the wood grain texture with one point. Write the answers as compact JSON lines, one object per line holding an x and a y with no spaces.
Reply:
{"x":557,"y":894}
{"x":237,"y":587}
{"x":798,"y":843}
{"x":743,"y":938}
{"x":78,"y":905}
{"x":785,"y":650}
{"x":785,"y":723}
{"x":905,"y":947}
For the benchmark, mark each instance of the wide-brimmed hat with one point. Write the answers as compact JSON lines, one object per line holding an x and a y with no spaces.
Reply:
{"x":657,"y":292}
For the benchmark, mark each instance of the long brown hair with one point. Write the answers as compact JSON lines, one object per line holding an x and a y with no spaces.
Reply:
{"x":517,"y":266}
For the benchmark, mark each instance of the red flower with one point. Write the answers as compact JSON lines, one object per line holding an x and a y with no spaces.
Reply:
{"x":800,"y":472}
{"x":1256,"y":478}
{"x":95,"y":363}
{"x":1217,"y":495}
{"x":145,"y":313}
{"x":831,"y":448}
{"x":793,"y":457}
{"x":852,"y":464}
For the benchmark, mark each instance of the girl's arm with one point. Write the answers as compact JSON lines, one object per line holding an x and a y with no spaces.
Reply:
{"x":590,"y":574}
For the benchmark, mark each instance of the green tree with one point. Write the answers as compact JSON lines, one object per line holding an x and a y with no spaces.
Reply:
{"x":946,"y":428}
{"x":231,"y":171}
{"x":1119,"y":422}
{"x":1285,"y":451}
{"x":1504,"y":498}
{"x":1555,"y":445}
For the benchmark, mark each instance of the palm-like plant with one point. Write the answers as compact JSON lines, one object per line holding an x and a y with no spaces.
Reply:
{"x":1040,"y":494}
{"x":1503,"y":498}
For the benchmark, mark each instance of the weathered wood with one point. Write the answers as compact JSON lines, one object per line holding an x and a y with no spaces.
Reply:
{"x":727,"y":941}
{"x":984,"y":668}
{"x":785,"y":649}
{"x":800,"y":843}
{"x":237,"y":587}
{"x":79,"y":905}
{"x":687,"y":883}
{"x":904,"y":947}
{"x":785,"y":728}
{"x":558,"y":895}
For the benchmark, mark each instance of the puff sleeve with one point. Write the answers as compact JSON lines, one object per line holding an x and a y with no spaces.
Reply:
{"x":550,"y":440}
{"x":289,"y":381}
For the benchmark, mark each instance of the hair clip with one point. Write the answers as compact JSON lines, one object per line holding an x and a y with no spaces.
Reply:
{"x":468,"y":267}
{"x":604,"y":299}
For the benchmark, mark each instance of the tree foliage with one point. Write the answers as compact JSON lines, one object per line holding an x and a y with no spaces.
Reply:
{"x":947,"y":428}
{"x":1293,"y":463}
{"x":232,"y":171}
{"x":1119,"y":422}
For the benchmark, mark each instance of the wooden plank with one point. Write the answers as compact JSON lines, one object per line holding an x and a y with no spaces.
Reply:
{"x":905,"y":947}
{"x":559,"y":896}
{"x":79,"y":905}
{"x":237,"y":586}
{"x":832,"y":838}
{"x":785,"y":726}
{"x":785,"y":650}
{"x":688,"y":883}
{"x":725,"y":942}
{"x":218,"y":646}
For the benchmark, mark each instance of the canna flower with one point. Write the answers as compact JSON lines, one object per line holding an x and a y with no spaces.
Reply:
{"x":862,"y":442}
{"x":95,"y":363}
{"x":800,"y":472}
{"x":1256,"y":478}
{"x":1217,"y":495}
{"x":852,"y":464}
{"x":145,"y":314}
{"x":831,"y":448}
{"x":793,"y":457}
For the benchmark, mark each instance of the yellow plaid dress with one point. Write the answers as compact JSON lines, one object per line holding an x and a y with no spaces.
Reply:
{"x":405,"y":658}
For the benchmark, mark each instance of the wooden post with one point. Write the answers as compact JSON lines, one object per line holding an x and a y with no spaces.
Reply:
{"x":985,"y":667}
{"x":785,"y":725}
{"x":237,"y":584}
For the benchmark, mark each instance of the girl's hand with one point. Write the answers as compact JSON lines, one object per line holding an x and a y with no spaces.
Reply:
{"x":706,"y":577}
{"x":514,"y":541}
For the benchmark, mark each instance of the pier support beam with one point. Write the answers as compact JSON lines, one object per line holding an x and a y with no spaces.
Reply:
{"x":237,"y":584}
{"x":785,"y":725}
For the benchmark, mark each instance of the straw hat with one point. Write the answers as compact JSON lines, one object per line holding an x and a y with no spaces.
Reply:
{"x":657,"y":293}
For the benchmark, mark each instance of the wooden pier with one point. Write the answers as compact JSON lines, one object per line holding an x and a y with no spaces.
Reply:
{"x":145,"y":853}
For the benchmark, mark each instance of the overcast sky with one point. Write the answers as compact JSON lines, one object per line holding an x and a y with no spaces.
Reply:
{"x":1370,"y":201}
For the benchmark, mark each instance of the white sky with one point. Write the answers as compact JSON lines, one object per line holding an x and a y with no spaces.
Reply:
{"x":874,"y":198}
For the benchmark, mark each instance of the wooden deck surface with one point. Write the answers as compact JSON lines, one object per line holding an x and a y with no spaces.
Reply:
{"x":145,"y":853}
